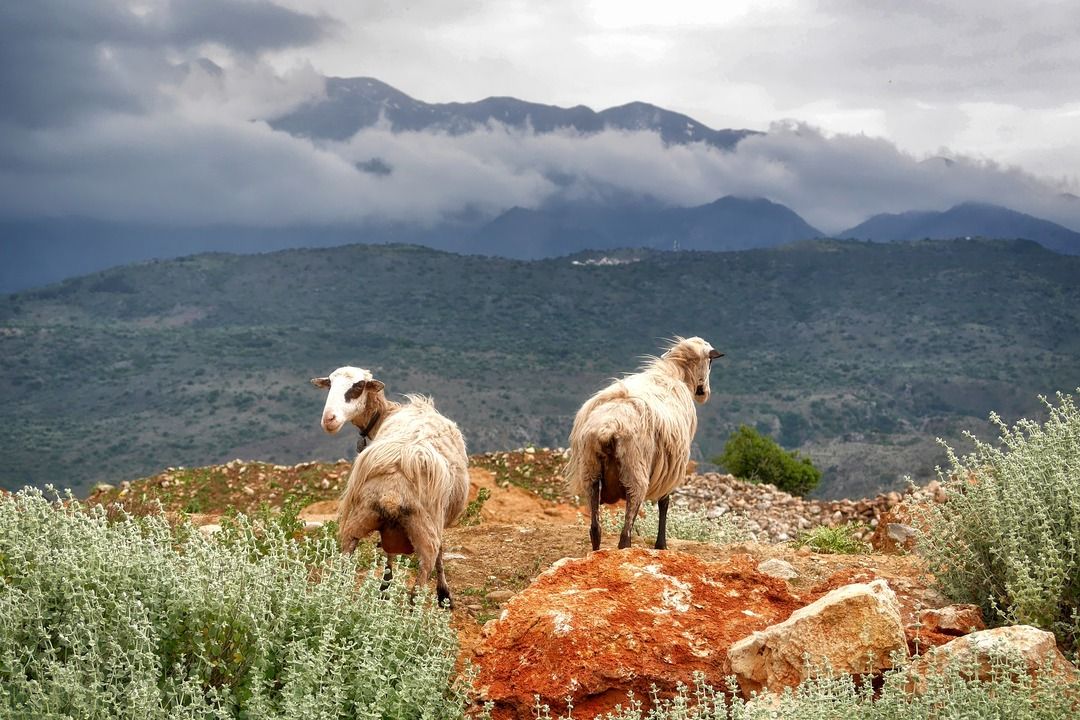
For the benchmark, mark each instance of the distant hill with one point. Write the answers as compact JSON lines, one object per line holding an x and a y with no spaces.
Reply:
{"x":34,"y":253}
{"x":859,"y":354}
{"x":729,"y":223}
{"x":37,"y":253}
{"x":352,"y":104}
{"x":967,"y":220}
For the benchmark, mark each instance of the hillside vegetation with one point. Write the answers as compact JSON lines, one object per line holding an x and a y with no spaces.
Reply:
{"x":856,"y":354}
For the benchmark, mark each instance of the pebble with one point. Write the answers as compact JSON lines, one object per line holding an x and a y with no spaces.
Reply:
{"x":778,"y":568}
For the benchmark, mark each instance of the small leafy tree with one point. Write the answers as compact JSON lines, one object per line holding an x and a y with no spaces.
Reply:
{"x":752,"y":456}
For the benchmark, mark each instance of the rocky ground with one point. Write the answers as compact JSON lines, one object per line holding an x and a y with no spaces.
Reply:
{"x":773,"y":515}
{"x":527,"y":522}
{"x":536,"y":612}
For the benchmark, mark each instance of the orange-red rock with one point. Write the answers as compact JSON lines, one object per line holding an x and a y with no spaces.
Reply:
{"x":618,"y":620}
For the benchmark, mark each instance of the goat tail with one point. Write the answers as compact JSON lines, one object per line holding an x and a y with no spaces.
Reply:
{"x":428,"y":472}
{"x":592,"y":441}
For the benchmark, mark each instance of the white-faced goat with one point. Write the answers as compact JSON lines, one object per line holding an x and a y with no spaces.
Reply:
{"x":410,"y":481}
{"x":631,"y":440}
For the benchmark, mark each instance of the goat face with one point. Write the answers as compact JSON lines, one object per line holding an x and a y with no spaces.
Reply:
{"x":349,"y":390}
{"x":696,"y":357}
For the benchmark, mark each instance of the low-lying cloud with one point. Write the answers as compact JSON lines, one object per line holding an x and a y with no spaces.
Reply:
{"x":198,"y":168}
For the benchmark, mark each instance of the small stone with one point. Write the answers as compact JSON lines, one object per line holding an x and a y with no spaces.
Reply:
{"x":500,"y":595}
{"x":778,"y":568}
{"x":248,"y":491}
{"x":102,"y":487}
{"x":325,"y":484}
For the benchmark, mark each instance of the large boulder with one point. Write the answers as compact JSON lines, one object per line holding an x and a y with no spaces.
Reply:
{"x":854,"y":629}
{"x":594,"y":628}
{"x":975,"y":654}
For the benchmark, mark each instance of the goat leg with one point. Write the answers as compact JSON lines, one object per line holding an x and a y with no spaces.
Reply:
{"x":594,"y":512}
{"x":661,"y":531}
{"x":425,"y":539}
{"x":442,"y":590}
{"x":633,"y":507}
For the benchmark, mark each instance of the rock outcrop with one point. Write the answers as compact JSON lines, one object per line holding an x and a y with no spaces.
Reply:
{"x":853,"y":629}
{"x":622,"y":620}
{"x":976,"y":653}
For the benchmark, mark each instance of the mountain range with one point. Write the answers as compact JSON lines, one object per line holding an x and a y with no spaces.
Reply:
{"x":352,"y":104}
{"x":36,"y":252}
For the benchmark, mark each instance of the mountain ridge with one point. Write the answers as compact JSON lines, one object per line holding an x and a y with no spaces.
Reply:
{"x":352,"y":104}
{"x":728,"y":223}
{"x":968,"y":219}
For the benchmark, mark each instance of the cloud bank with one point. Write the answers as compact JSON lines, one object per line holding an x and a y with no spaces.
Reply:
{"x":150,"y":112}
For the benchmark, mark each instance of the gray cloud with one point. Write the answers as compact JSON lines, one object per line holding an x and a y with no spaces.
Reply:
{"x":244,"y":25}
{"x":989,"y":78}
{"x":197,"y":169}
{"x":110,"y":113}
{"x":60,"y":58}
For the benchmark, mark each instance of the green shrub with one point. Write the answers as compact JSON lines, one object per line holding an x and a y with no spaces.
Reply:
{"x":1008,"y":537}
{"x":471,"y":515}
{"x":1008,"y":694}
{"x":752,"y":456}
{"x":128,"y":618}
{"x":841,"y":540}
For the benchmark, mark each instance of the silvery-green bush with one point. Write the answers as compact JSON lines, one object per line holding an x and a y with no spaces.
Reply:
{"x":1009,"y":693}
{"x":123,"y":617}
{"x":1008,"y":537}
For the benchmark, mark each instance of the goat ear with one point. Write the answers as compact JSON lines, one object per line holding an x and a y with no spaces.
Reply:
{"x":713,"y":354}
{"x":376,"y":385}
{"x":321,"y":382}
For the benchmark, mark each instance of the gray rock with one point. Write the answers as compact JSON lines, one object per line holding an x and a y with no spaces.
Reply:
{"x":778,"y":568}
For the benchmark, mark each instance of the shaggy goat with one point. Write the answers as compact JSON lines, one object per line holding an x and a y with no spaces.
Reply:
{"x":409,"y":483}
{"x":631,"y":440}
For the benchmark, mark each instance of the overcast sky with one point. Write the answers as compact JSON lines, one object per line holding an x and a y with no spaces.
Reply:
{"x":104,"y":113}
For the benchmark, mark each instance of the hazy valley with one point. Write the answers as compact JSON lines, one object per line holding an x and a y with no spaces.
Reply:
{"x":857,"y":353}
